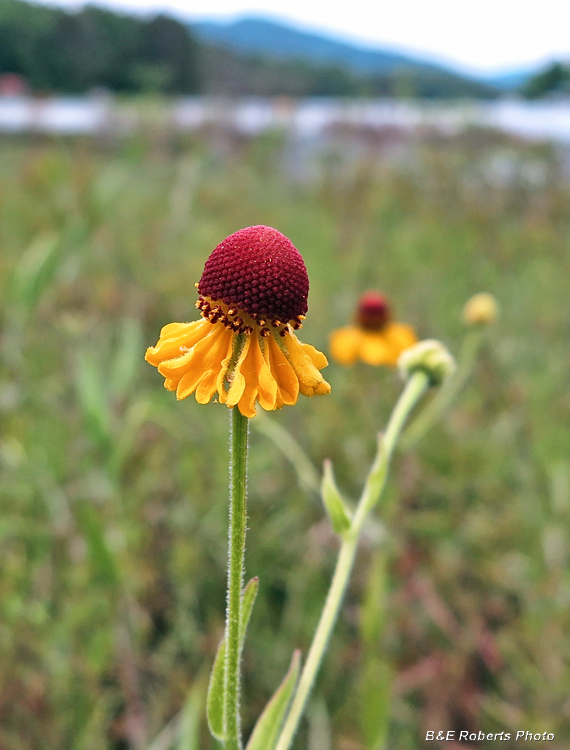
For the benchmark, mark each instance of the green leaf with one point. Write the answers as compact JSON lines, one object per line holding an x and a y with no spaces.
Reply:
{"x":337,"y":510}
{"x":189,"y":728}
{"x":105,"y":569}
{"x":266,"y":730}
{"x":215,"y":700}
{"x":127,"y":357}
{"x":35,"y":270}
{"x":248,"y":597}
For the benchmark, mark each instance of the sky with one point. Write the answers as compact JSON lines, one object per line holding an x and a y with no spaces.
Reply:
{"x":479,"y":37}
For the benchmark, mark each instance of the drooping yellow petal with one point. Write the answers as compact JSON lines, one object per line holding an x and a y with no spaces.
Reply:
{"x":238,"y":383}
{"x":283,"y":372}
{"x":206,"y":355}
{"x":214,"y":363}
{"x":309,"y":377}
{"x":318,"y":358}
{"x":345,"y":344}
{"x":176,"y":339}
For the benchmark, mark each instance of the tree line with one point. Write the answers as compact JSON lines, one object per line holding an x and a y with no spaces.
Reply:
{"x":58,"y":51}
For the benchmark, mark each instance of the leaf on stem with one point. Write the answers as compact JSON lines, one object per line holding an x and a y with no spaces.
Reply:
{"x":248,"y":597}
{"x":266,"y":730}
{"x":337,"y":510}
{"x":215,"y":700}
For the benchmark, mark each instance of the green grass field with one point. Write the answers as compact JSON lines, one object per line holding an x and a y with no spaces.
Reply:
{"x":114,"y":496}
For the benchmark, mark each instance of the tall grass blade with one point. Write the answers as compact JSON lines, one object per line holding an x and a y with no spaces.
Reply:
{"x":266,"y":731}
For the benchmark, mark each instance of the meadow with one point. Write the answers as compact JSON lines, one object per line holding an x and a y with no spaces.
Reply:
{"x":114,"y":496}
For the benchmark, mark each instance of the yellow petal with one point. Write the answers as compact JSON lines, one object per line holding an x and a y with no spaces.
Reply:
{"x":206,"y":355}
{"x":178,"y":339}
{"x":237,"y":386}
{"x":283,"y":372}
{"x":309,"y":377}
{"x":266,"y":384}
{"x":374,"y":349}
{"x":318,"y":358}
{"x":208,"y":384}
{"x":400,"y":336}
{"x":345,"y":344}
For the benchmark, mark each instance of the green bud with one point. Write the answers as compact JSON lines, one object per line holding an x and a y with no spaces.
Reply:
{"x":430,"y":356}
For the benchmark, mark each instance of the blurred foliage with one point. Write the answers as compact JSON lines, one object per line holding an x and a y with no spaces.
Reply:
{"x":114,"y":496}
{"x":555,"y":79}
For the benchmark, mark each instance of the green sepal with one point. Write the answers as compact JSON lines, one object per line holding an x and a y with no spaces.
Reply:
{"x":337,"y":510}
{"x":215,"y":699}
{"x":266,"y":731}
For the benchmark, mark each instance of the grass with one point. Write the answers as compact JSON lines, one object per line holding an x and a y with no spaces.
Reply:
{"x":114,"y":496}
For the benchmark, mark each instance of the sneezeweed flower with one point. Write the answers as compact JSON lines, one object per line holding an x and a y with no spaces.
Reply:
{"x":373,"y":338}
{"x":481,"y":309}
{"x":253,"y":296}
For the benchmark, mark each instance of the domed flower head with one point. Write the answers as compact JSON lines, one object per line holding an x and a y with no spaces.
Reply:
{"x":253,"y":296}
{"x":373,"y":338}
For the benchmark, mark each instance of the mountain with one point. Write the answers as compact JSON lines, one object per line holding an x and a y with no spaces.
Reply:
{"x":260,"y":37}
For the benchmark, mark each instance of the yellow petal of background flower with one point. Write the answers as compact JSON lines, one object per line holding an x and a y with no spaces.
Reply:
{"x":375,"y":350}
{"x":400,"y":336}
{"x":345,"y":344}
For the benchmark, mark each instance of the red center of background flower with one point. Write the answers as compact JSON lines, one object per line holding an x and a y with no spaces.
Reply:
{"x":259,"y":271}
{"x":373,"y":311}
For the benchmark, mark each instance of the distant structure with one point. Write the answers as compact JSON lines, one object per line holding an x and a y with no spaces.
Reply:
{"x":12,"y":84}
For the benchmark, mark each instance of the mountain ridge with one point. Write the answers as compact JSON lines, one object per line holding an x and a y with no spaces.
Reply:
{"x":258,"y":35}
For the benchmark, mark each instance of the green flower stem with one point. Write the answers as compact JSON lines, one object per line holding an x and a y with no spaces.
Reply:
{"x":236,"y":549}
{"x":375,"y":483}
{"x":448,"y":393}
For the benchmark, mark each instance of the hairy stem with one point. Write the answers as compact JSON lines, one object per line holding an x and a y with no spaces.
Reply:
{"x":373,"y":488}
{"x":236,"y":549}
{"x":444,"y":398}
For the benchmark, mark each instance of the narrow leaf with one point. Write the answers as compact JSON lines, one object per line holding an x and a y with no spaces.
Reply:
{"x":215,"y":699}
{"x":266,"y":731}
{"x":189,"y":727}
{"x":338,"y":512}
{"x":248,"y":597}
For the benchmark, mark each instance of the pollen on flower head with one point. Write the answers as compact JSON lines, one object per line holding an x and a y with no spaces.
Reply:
{"x":373,"y":311}
{"x":257,"y":271}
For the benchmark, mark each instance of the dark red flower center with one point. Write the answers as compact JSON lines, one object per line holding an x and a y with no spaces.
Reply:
{"x":373,"y":311}
{"x":260,"y":272}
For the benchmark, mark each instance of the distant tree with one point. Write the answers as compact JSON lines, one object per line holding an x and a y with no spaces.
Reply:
{"x":73,"y":52}
{"x":554,"y":79}
{"x":167,"y":45}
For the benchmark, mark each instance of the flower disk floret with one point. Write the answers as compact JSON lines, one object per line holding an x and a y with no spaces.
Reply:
{"x":253,"y":295}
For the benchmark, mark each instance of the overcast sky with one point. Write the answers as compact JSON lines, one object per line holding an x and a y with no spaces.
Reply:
{"x":482,"y":36}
